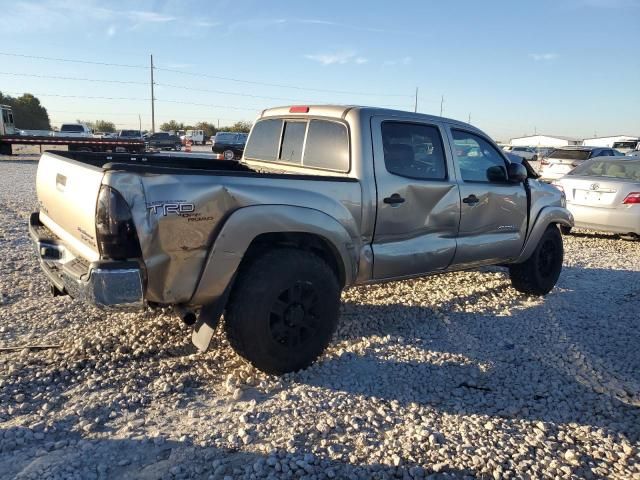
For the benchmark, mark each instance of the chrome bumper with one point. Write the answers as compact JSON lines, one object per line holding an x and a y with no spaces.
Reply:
{"x":104,"y":284}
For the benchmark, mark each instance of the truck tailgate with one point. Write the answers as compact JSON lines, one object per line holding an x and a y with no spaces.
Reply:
{"x":67,"y":194}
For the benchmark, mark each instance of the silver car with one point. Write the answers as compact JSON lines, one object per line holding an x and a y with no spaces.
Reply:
{"x":604,"y":194}
{"x":562,"y":160}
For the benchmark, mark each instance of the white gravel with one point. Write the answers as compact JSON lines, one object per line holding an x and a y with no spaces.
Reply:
{"x":454,"y":376}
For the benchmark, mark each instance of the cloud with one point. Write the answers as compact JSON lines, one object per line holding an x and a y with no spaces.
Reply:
{"x":206,"y":23}
{"x":398,"y":61}
{"x":111,"y":31}
{"x":337,"y":58}
{"x":543,"y":56}
{"x":149,"y":17}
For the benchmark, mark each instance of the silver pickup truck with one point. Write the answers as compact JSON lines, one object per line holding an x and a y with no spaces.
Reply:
{"x":325,"y":197}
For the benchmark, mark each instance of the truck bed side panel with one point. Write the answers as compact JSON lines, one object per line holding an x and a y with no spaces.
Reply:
{"x":178,"y":217}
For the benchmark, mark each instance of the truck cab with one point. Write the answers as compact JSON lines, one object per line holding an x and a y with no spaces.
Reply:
{"x":7,"y":126}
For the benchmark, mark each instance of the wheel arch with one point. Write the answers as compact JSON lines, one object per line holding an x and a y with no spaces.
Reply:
{"x":551,"y":215}
{"x":252,"y":230}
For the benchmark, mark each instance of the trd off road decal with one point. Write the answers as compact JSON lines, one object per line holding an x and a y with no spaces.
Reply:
{"x":180,"y":208}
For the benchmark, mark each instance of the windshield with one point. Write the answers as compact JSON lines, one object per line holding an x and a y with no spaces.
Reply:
{"x":130,"y":133}
{"x":72,"y":128}
{"x":571,"y":154}
{"x":624,"y":169}
{"x":228,"y":137}
{"x":630,"y":145}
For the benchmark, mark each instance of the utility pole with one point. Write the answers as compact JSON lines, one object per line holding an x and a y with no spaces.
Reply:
{"x":469,"y":120}
{"x":140,"y":123}
{"x":153,"y":107}
{"x":415,"y":108}
{"x":218,"y":123}
{"x":535,"y":130}
{"x":441,"y":104}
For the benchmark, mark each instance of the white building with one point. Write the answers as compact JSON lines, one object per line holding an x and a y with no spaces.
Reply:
{"x":608,"y":141}
{"x":544,"y":141}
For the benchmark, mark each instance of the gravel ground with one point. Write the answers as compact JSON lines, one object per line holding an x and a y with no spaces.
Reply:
{"x":454,"y":376}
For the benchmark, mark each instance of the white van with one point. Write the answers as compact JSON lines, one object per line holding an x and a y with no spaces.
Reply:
{"x":196,"y":136}
{"x":74,"y":130}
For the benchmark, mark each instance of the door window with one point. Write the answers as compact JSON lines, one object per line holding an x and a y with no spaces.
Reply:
{"x":478,"y":160}
{"x":292,"y":142}
{"x":413,"y":150}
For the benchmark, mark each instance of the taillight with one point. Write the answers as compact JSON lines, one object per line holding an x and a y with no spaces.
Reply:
{"x":116,"y":233}
{"x":544,"y":161}
{"x":632,"y":198}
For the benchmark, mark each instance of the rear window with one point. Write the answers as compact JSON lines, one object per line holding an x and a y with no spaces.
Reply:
{"x":571,"y":154}
{"x":293,"y":141}
{"x":72,"y":128}
{"x":327,"y":146}
{"x":313,"y":143}
{"x":265,"y":140}
{"x":624,"y":169}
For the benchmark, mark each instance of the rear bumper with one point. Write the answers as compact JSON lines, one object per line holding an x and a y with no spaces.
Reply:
{"x":616,"y":220}
{"x":104,"y":284}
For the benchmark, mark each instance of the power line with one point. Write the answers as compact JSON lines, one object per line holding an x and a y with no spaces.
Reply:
{"x":55,"y":77}
{"x":36,"y":57}
{"x":280,"y":85}
{"x":204,"y":75}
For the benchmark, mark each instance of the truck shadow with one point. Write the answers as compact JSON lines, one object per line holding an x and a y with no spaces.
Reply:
{"x":539,"y":365}
{"x":64,"y":453}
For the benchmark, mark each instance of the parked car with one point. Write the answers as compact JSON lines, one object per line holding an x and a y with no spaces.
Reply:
{"x":564,"y":159}
{"x":604,"y":194}
{"x":325,"y":197}
{"x":529,"y":153}
{"x":74,"y":130}
{"x":163,"y":141}
{"x":627,"y":146}
{"x":229,"y":145}
{"x":136,"y":134}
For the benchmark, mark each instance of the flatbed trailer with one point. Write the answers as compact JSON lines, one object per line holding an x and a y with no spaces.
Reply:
{"x":74,"y":144}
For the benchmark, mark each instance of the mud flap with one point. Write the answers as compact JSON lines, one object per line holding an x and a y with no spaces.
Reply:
{"x":207,"y":322}
{"x":206,"y":325}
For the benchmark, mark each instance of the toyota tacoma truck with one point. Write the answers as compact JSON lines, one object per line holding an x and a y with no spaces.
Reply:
{"x":325,"y":197}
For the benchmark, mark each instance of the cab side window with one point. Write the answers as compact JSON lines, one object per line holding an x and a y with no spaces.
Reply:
{"x":479,"y":161}
{"x":413,"y":150}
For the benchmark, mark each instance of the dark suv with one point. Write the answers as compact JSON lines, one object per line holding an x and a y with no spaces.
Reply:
{"x":163,"y":141}
{"x":229,"y":145}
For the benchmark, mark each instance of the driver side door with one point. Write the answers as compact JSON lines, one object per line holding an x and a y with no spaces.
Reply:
{"x":493,"y":215}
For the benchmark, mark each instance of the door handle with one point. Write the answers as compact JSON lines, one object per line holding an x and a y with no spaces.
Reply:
{"x":394,"y":199}
{"x":470,"y":200}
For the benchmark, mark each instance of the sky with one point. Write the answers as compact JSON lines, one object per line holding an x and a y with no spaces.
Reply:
{"x":563,"y":67}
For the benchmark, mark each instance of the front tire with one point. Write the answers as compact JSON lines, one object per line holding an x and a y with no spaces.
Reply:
{"x":283,"y":310}
{"x":539,"y":273}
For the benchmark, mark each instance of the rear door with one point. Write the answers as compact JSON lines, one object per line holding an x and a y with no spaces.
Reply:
{"x":493,"y":219}
{"x":418,"y":204}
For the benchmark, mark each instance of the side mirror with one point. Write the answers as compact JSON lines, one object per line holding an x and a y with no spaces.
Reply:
{"x":496,"y":173}
{"x":517,"y":172}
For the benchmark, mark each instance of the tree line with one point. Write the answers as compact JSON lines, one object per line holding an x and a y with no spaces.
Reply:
{"x":28,"y":113}
{"x":209,"y":129}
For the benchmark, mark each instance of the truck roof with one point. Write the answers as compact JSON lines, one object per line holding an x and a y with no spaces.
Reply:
{"x":340,"y":111}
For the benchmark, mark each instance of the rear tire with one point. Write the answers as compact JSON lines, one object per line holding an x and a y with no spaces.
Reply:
{"x":283,"y":310}
{"x":539,"y":273}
